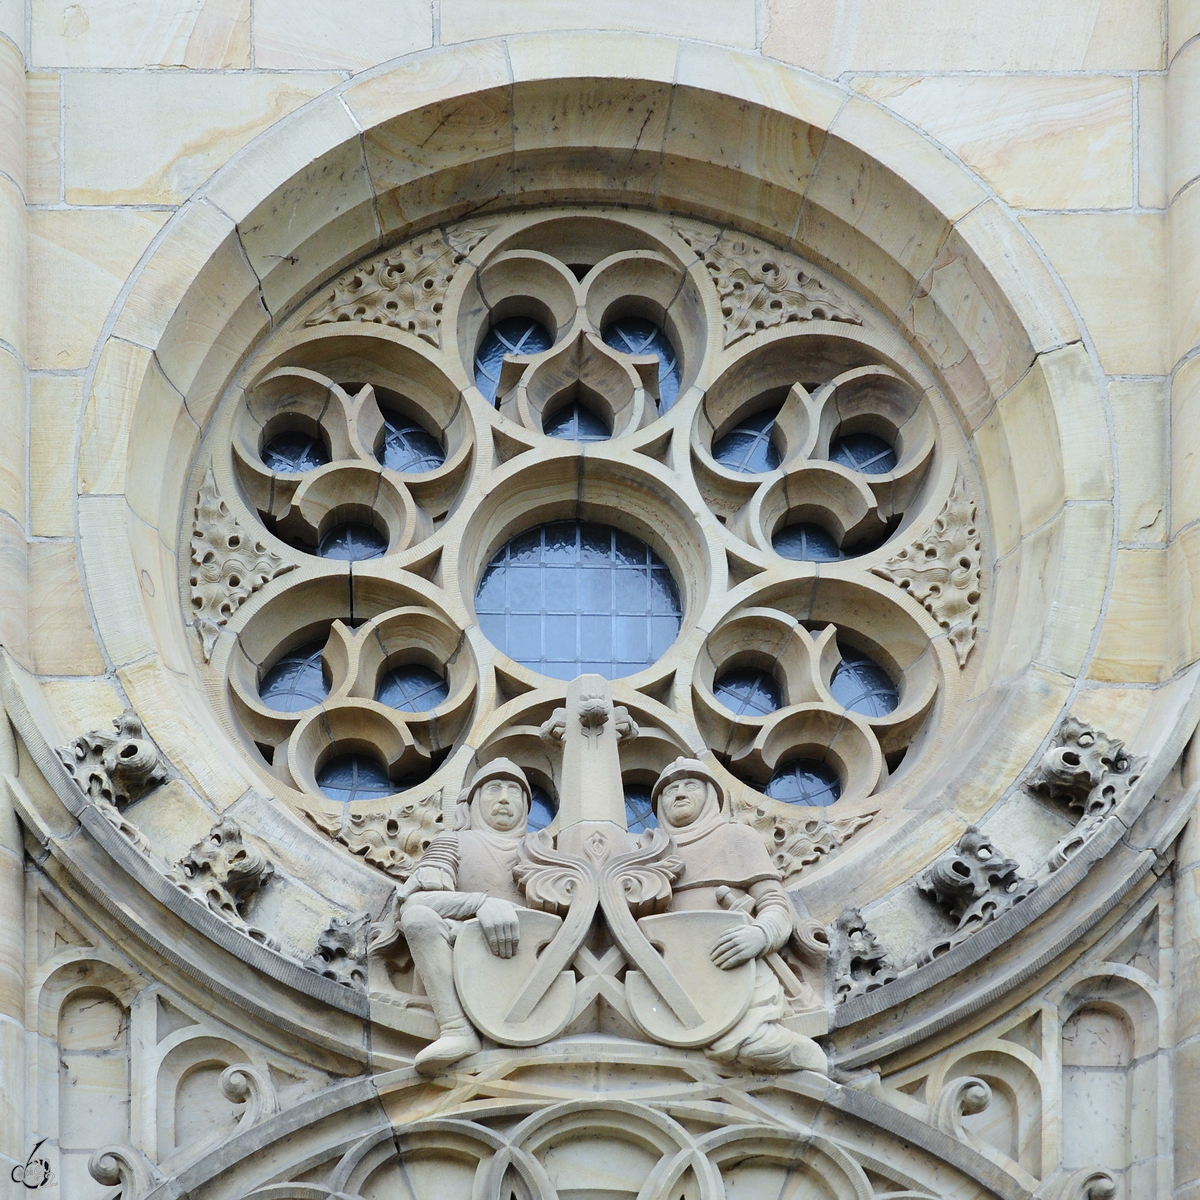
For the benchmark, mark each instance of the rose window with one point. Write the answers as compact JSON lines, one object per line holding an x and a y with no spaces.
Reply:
{"x":510,"y":452}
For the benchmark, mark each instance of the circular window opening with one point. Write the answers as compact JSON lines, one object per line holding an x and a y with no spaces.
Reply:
{"x":863,"y":452}
{"x":542,"y":809}
{"x":805,"y":781}
{"x":407,"y":448}
{"x":293,"y":452}
{"x":747,"y":692}
{"x":354,"y":777}
{"x":747,"y":448}
{"x":577,"y":423}
{"x":352,"y":541}
{"x":860,"y":684}
{"x":297,"y":681}
{"x":636,"y":335}
{"x":412,"y":688}
{"x":576,"y":597}
{"x":639,"y":811}
{"x":513,"y":335}
{"x":807,"y":543}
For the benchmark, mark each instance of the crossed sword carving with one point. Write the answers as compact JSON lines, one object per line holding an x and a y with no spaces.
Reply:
{"x":639,"y":878}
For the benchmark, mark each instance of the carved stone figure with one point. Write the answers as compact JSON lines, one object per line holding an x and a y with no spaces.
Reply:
{"x":466,"y":873}
{"x":975,"y":883}
{"x":724,"y":865}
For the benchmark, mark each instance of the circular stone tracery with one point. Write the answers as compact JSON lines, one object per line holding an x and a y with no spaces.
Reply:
{"x":590,"y":451}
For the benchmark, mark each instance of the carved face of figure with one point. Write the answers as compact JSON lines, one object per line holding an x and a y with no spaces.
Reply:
{"x":503,"y":804}
{"x":683,"y":801}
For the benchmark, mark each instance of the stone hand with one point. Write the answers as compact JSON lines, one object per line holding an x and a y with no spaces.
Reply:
{"x":501,"y":930}
{"x":736,"y":946}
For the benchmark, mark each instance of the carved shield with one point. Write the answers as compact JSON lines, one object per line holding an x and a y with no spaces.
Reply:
{"x":720,"y":998}
{"x":488,"y":986}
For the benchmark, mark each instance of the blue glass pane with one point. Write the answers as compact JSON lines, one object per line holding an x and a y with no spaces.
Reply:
{"x":412,"y":688}
{"x":541,"y":809}
{"x":575,"y":597}
{"x":863,"y":686}
{"x":805,"y":781}
{"x":747,"y":447}
{"x":807,"y":542}
{"x":294,"y":452}
{"x":639,"y":812}
{"x":863,"y":452}
{"x":352,"y":542}
{"x":408,"y":448}
{"x":514,"y":335}
{"x":355,"y":777}
{"x":577,"y":423}
{"x":634,"y":335}
{"x":747,"y":692}
{"x":297,"y":681}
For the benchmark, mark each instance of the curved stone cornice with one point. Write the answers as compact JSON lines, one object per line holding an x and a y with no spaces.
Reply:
{"x":357,"y":1129}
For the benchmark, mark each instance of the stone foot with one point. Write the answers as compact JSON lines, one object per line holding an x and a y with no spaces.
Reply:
{"x":448,"y":1049}
{"x":775,"y":1048}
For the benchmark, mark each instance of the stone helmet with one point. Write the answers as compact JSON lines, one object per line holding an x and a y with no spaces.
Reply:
{"x":498,"y":768}
{"x":684,"y":768}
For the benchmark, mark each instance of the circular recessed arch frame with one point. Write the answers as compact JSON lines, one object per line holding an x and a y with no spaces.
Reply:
{"x":819,"y":170}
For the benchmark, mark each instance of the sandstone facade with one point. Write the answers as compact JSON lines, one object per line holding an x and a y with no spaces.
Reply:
{"x":599,"y":603}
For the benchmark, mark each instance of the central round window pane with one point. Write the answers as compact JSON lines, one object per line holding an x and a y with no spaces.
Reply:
{"x":575,"y":598}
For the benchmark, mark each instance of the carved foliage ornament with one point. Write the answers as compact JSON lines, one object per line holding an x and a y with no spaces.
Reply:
{"x":796,"y":842}
{"x":341,"y":953}
{"x":405,"y":287}
{"x":224,"y":873}
{"x":228,"y":565}
{"x":393,"y":840}
{"x":1083,"y":768}
{"x":975,"y":883}
{"x":1088,"y":770}
{"x":857,"y":963}
{"x":113,"y":769}
{"x":941,"y":571}
{"x":760,"y":286}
